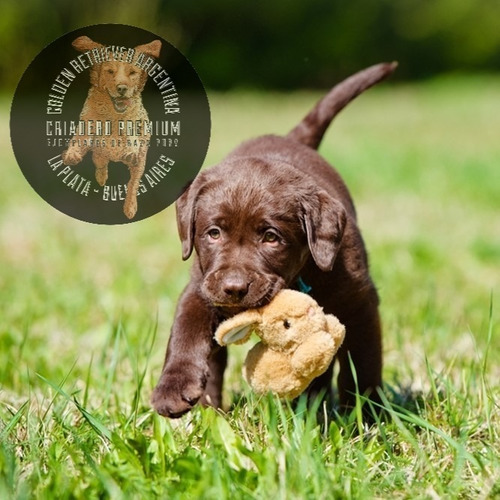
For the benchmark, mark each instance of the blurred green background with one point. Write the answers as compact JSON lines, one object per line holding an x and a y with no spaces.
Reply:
{"x":275,"y":44}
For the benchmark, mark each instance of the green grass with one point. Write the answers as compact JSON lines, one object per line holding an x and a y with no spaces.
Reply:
{"x":86,"y":312}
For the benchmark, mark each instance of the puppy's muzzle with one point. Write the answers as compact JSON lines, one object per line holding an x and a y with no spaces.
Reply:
{"x":240,"y":290}
{"x":120,"y":102}
{"x":121,"y":89}
{"x":235,"y":288}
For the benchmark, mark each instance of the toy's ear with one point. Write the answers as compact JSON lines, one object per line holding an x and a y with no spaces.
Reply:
{"x":237,"y":330}
{"x":235,"y":335}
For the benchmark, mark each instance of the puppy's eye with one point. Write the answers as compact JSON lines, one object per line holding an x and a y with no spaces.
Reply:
{"x":286,"y":324}
{"x":110,"y":71}
{"x":132,"y":72}
{"x":214,"y":233}
{"x":270,"y":237}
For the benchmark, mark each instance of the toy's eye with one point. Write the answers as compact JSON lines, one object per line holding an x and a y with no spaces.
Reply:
{"x":286,"y":324}
{"x":214,"y":233}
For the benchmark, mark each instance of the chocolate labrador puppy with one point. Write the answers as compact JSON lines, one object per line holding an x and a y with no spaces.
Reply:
{"x":274,"y":214}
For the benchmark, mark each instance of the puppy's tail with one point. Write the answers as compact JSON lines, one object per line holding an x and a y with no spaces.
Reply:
{"x":311,"y":129}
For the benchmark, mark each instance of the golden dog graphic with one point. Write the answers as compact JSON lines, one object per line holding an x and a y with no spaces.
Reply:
{"x":114,"y":99}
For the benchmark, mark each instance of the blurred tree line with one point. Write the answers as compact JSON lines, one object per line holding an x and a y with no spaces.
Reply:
{"x":281,"y":44}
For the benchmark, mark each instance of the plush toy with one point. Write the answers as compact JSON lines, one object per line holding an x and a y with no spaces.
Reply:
{"x":298,"y":342}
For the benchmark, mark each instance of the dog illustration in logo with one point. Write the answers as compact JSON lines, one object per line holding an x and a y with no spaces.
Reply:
{"x":114,"y":97}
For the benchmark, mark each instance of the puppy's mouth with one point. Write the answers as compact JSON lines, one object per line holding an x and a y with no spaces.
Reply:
{"x":253,"y":300}
{"x":228,"y":310}
{"x":120,"y":103}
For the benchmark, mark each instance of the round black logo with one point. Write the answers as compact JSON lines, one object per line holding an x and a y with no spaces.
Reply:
{"x":109,"y":123}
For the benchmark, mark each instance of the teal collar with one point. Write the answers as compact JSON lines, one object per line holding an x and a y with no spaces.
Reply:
{"x":302,"y":286}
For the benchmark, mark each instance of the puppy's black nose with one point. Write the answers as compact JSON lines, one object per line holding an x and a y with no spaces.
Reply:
{"x":235,"y":288}
{"x":121,"y":89}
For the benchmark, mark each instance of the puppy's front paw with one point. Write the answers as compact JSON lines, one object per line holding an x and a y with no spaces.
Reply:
{"x":178,"y":390}
{"x":71,"y":157}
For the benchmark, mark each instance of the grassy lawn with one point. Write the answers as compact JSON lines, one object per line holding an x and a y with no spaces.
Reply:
{"x":86,"y":312}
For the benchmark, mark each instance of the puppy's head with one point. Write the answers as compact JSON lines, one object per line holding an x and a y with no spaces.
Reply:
{"x":253,"y":225}
{"x":117,"y":75}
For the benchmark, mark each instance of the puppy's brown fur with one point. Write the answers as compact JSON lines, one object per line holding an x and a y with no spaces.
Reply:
{"x":273,"y":214}
{"x":114,"y":95}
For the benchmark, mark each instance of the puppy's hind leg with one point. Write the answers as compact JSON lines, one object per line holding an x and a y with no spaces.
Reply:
{"x":360,"y":357}
{"x":101,"y":168}
{"x":136,"y":164}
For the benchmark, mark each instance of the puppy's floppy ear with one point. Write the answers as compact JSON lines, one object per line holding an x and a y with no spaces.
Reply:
{"x":185,"y":208}
{"x":84,"y":43}
{"x":324,"y":220}
{"x":185,"y":211}
{"x":150,"y":49}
